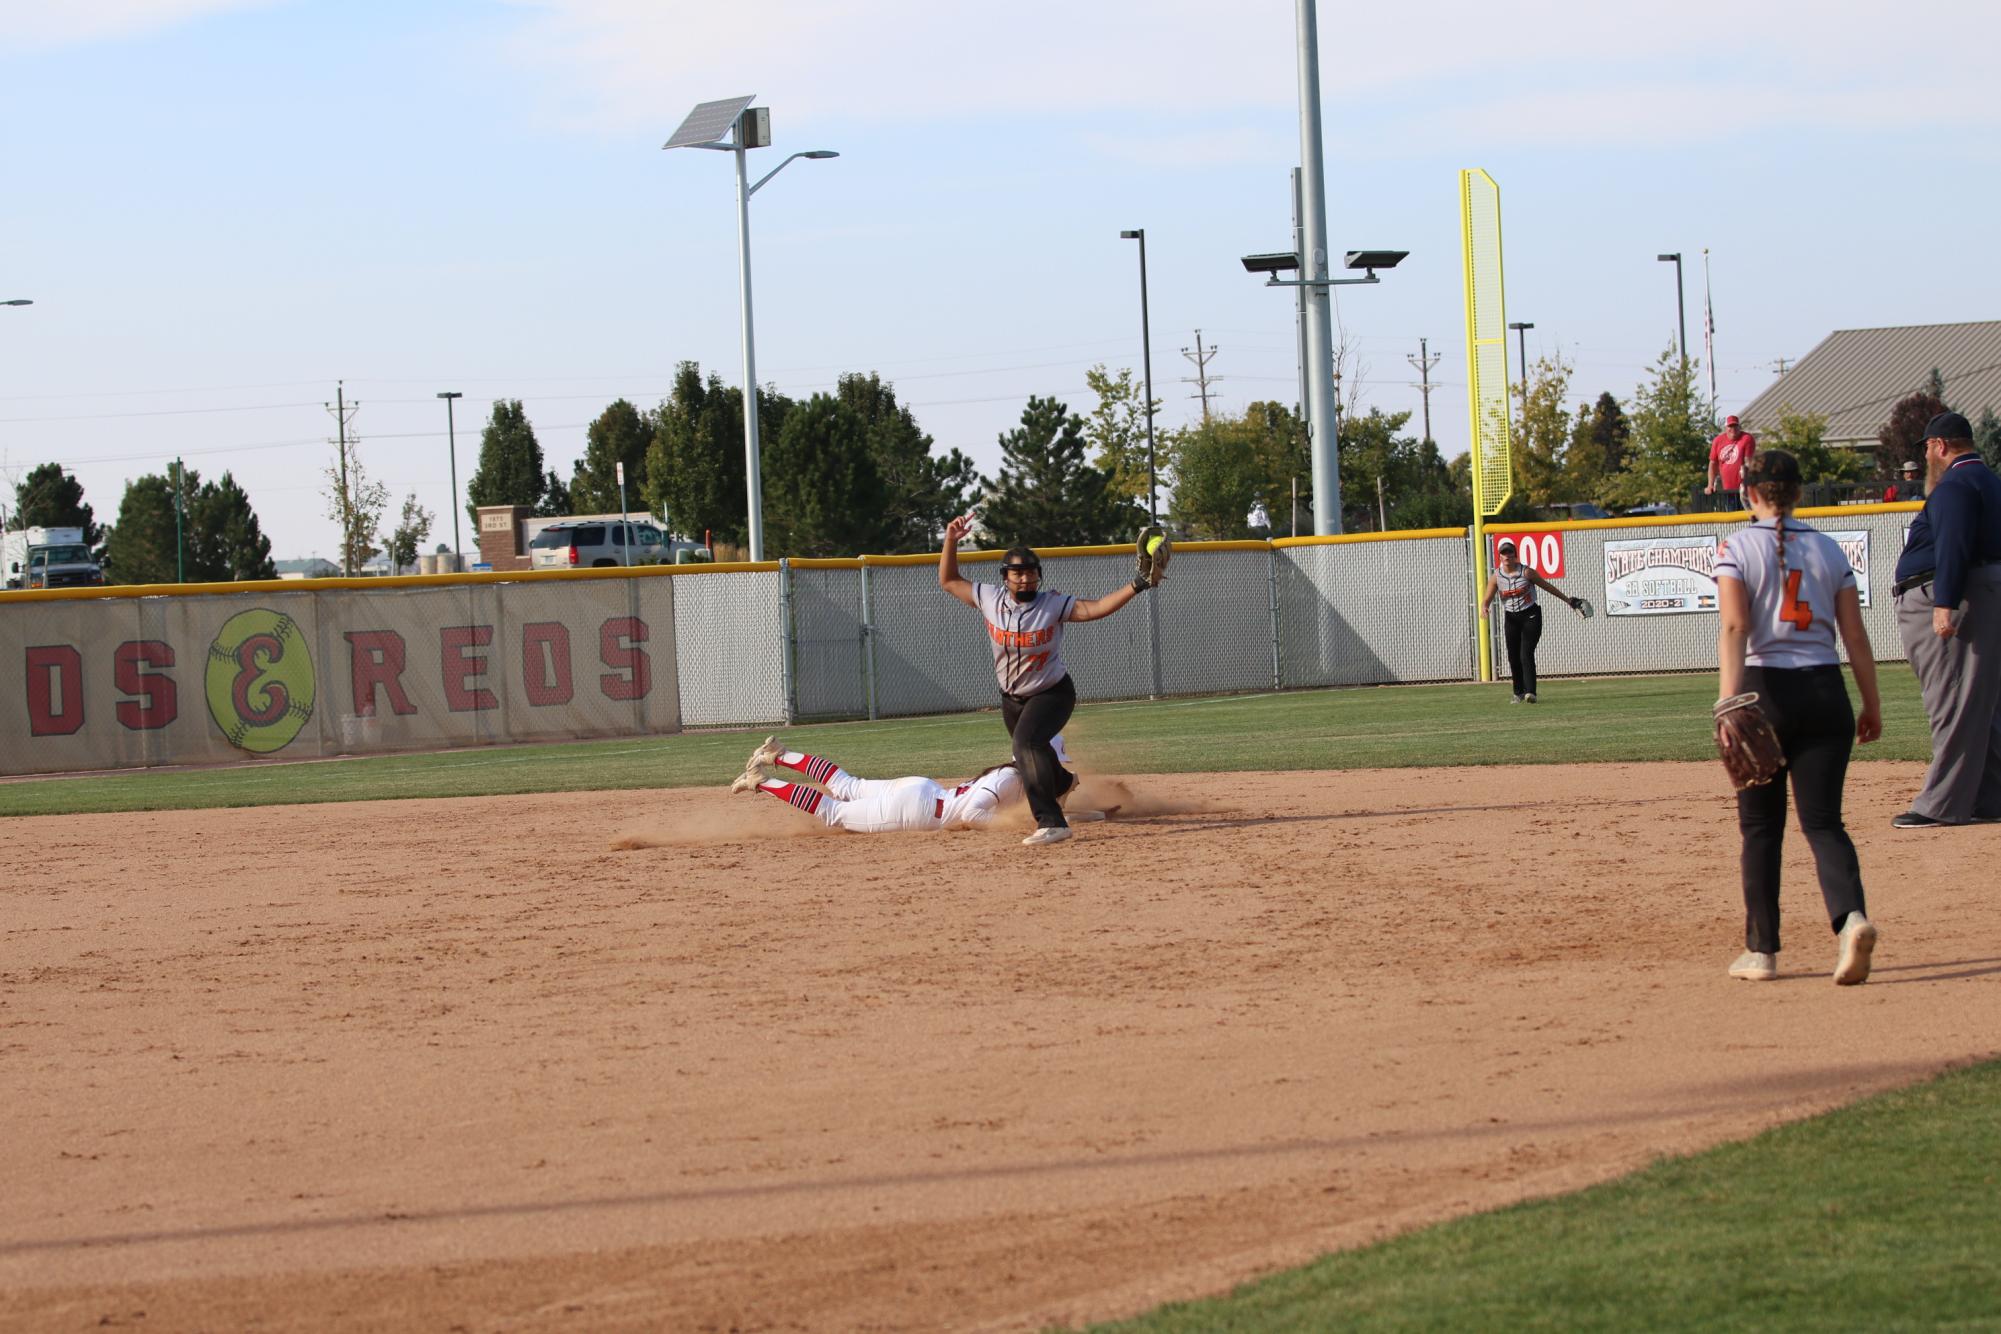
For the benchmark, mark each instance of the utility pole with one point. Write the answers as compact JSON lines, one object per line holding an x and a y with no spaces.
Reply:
{"x":1783,"y":364}
{"x":1201,"y":357}
{"x":1424,"y":361}
{"x":343,"y":412}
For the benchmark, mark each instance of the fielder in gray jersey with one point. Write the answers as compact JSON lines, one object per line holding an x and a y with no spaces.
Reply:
{"x":1025,"y":624}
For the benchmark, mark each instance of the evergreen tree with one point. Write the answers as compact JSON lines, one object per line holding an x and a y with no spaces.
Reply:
{"x":1670,"y":437}
{"x":620,"y":434}
{"x":141,"y":548}
{"x":224,"y":540}
{"x":555,"y":502}
{"x":1599,"y":437}
{"x":921,"y":492}
{"x":48,"y":497}
{"x":1047,"y":493}
{"x":823,"y":495}
{"x":694,"y":467}
{"x":1901,"y":439}
{"x":1987,"y":438}
{"x":510,"y":462}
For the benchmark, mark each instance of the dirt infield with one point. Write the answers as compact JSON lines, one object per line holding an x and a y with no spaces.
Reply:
{"x":677,"y":1060}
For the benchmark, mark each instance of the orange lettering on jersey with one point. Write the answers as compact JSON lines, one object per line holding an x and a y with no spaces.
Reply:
{"x":1791,"y":608}
{"x":1019,"y":638}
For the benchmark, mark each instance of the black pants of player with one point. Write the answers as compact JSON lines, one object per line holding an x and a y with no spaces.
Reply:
{"x":1031,"y":721}
{"x":1810,"y":711}
{"x":1523,"y":631}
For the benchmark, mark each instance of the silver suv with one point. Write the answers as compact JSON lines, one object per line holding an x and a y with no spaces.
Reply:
{"x":588,"y":545}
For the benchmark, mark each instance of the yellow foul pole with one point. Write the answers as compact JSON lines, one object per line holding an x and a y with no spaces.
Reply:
{"x":1486,"y":374}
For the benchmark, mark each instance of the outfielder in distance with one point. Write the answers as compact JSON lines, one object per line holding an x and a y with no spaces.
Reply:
{"x":1025,"y":623}
{"x":882,"y":805}
{"x":1521,"y":618}
{"x":1782,"y":589}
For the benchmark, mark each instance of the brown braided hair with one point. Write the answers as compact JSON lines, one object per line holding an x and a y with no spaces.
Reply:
{"x":1776,"y":475}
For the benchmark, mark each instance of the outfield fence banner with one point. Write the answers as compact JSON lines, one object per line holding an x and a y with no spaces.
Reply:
{"x":214,"y":673}
{"x":204,"y":678}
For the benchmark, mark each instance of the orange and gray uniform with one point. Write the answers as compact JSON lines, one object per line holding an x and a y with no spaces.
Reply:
{"x":1521,"y":625}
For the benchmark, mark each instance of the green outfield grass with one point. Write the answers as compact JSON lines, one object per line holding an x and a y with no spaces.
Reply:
{"x":1620,"y":718}
{"x":1884,"y":1215}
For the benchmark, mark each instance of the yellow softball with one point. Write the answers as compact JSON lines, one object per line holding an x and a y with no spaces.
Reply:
{"x":260,"y":680}
{"x":1153,"y":544}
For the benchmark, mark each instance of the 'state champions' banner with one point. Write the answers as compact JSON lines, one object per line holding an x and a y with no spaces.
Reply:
{"x":1657,"y":576}
{"x":1855,"y":546}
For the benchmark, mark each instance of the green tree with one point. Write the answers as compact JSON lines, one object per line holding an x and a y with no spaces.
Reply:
{"x":142,"y":548}
{"x":1804,"y":436}
{"x":620,"y":434}
{"x":1599,"y":438}
{"x":1216,"y":479}
{"x":355,"y":503}
{"x":1987,"y":437}
{"x":1278,"y":441}
{"x":48,"y":497}
{"x":411,"y":530}
{"x":510,"y":468}
{"x":921,"y":491}
{"x":1116,"y":430}
{"x":1543,"y":435}
{"x":1901,"y":439}
{"x":224,"y":540}
{"x":555,"y":501}
{"x":1048,"y":494}
{"x":823,"y":495}
{"x":694,"y":468}
{"x":1417,"y":488}
{"x":1669,"y":454}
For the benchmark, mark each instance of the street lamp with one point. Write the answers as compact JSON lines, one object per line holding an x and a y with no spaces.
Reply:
{"x":733,"y":125}
{"x":1522,"y":332}
{"x":452,"y":443}
{"x":1146,"y":354}
{"x":1680,"y":306}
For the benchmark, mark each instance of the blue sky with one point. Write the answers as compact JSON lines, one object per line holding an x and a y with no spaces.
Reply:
{"x":222,"y":208}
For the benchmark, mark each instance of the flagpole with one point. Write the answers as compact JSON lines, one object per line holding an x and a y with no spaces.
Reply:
{"x":1708,"y":326}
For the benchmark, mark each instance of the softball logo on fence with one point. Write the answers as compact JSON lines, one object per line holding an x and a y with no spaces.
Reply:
{"x":260,"y":680}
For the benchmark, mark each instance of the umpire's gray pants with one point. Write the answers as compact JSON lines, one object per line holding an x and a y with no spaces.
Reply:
{"x":1961,"y":681}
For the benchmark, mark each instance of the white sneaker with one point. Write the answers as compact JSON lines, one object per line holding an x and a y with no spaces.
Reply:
{"x":1858,"y":942}
{"x":1041,"y":836}
{"x":1755,"y":967}
{"x":1529,"y":698}
{"x":1514,"y":699}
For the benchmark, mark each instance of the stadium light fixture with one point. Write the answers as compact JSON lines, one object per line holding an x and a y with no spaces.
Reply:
{"x":18,"y":301}
{"x":733,"y":125}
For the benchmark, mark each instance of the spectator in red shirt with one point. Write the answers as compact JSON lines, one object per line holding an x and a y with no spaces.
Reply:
{"x":1728,"y":453}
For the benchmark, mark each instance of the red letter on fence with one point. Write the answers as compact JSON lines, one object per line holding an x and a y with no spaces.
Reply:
{"x":459,"y":668}
{"x":49,"y":666}
{"x":546,"y":680}
{"x":159,"y":700}
{"x":638,"y":668}
{"x":375,"y":658}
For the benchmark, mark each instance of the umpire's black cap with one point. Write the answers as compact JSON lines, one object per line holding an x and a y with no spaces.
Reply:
{"x":1948,"y":426}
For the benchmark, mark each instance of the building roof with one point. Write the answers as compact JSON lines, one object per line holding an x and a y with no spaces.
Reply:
{"x":310,"y":565}
{"x":1855,"y":376}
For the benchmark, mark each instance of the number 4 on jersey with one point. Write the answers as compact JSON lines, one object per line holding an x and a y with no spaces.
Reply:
{"x":1792,"y":609}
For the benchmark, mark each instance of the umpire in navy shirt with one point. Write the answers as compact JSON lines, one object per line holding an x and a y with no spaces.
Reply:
{"x":1948,"y":593}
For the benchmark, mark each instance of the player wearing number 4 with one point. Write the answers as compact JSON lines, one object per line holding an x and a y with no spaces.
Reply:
{"x":1521,"y":618}
{"x":1782,"y":590}
{"x":1025,"y":623}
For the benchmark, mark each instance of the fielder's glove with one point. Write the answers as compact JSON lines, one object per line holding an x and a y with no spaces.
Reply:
{"x":1746,"y":743}
{"x":1150,"y":557}
{"x":1582,"y":606}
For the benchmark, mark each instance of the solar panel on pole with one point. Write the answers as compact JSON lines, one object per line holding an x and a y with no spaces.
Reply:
{"x":709,"y":123}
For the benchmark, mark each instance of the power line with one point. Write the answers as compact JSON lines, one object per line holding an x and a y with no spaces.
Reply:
{"x":1201,"y":378}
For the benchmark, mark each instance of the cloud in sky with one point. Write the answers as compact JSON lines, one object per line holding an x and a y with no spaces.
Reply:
{"x":41,"y":24}
{"x":1557,"y":71}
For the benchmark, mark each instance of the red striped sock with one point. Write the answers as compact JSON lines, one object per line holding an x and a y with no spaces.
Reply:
{"x":816,"y":769}
{"x":798,"y":794}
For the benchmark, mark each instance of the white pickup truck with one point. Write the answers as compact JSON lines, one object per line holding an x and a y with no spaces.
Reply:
{"x":49,"y":558}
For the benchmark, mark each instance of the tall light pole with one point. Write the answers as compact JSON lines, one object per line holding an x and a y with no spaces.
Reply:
{"x":733,"y":125}
{"x":1146,"y":355}
{"x":1680,"y":307}
{"x":1321,"y":408}
{"x":1522,"y":332}
{"x":452,"y":443}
